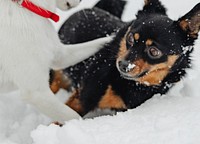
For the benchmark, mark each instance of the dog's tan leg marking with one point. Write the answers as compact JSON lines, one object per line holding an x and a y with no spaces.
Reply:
{"x":59,"y":81}
{"x":74,"y":102}
{"x":111,"y":100}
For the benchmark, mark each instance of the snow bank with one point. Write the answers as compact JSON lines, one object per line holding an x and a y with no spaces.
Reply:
{"x":17,"y":119}
{"x":169,"y":119}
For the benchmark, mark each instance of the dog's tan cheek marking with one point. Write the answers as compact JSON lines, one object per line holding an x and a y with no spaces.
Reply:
{"x":74,"y":102}
{"x":149,"y":42}
{"x":141,"y":66}
{"x":123,"y":49}
{"x":154,"y":78}
{"x":111,"y":100}
{"x":136,"y":36}
{"x":158,"y":72}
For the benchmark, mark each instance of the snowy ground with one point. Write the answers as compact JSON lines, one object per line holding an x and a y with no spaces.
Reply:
{"x":172,"y":119}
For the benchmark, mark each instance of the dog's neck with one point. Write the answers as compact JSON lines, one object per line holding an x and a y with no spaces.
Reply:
{"x":37,"y":9}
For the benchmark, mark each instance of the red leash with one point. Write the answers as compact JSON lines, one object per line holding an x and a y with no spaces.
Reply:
{"x":37,"y":10}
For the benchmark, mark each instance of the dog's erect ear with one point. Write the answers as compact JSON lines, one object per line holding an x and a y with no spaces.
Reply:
{"x":190,"y":22}
{"x":152,"y":7}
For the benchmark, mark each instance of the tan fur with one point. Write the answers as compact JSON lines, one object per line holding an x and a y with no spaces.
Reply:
{"x":123,"y":49}
{"x":149,"y":42}
{"x":59,"y":81}
{"x":136,"y":36}
{"x":111,"y":100}
{"x":74,"y":102}
{"x":184,"y":25}
{"x":193,"y":25}
{"x":146,"y":2}
{"x":156,"y":73}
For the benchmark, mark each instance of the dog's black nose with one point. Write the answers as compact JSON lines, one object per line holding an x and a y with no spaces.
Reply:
{"x":123,"y":66}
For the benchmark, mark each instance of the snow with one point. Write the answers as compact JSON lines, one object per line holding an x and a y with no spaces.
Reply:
{"x":172,"y":119}
{"x":165,"y":119}
{"x":130,"y":66}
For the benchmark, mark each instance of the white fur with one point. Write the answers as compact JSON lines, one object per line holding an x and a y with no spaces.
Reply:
{"x":29,"y":47}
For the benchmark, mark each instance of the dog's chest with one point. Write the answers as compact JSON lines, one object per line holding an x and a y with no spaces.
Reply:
{"x":23,"y":32}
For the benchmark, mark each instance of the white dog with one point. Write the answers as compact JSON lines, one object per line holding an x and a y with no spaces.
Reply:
{"x":29,"y":47}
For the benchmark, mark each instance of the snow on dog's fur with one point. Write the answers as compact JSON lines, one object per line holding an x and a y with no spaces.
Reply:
{"x":29,"y":47}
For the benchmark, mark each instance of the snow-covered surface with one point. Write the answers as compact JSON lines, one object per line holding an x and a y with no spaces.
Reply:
{"x":172,"y":119}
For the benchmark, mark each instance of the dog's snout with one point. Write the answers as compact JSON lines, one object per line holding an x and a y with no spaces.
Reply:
{"x":123,"y":66}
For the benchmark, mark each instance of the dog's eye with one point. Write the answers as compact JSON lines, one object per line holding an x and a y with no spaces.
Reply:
{"x":154,"y":53}
{"x":130,"y":39}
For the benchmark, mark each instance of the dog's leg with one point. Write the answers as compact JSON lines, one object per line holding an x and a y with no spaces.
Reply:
{"x":34,"y":87}
{"x":46,"y":102}
{"x":68,"y":55}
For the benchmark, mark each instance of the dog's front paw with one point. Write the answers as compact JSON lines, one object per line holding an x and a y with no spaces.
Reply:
{"x":67,"y":4}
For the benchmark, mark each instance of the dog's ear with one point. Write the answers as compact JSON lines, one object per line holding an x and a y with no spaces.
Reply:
{"x":152,"y":7}
{"x":190,"y":23}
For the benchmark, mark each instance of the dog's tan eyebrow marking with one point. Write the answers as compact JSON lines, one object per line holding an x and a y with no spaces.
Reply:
{"x":136,"y":36}
{"x":149,"y":42}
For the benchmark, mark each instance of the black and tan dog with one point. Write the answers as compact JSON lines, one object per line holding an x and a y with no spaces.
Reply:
{"x":147,"y":57}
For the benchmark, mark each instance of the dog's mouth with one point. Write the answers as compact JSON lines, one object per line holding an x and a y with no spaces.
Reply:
{"x":142,"y":74}
{"x":135,"y":77}
{"x":146,"y":77}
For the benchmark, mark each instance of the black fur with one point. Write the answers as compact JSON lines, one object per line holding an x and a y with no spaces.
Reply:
{"x":94,"y":75}
{"x":114,"y":7}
